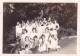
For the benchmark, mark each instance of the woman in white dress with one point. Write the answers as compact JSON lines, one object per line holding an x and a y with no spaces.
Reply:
{"x":42,"y":46}
{"x":52,"y":29}
{"x":27,"y":44}
{"x":45,"y":44}
{"x":33,"y":33}
{"x":39,"y":30}
{"x":35,"y":42}
{"x":23,"y":25}
{"x":23,"y":37}
{"x":18,"y":29}
{"x":53,"y":43}
{"x":28,"y":28}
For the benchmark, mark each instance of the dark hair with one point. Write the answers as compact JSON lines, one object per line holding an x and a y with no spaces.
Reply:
{"x":18,"y":38}
{"x":52,"y":36}
{"x":24,"y":30}
{"x":33,"y":29}
{"x":26,"y":45}
{"x":35,"y":37}
{"x":26,"y":37}
{"x":46,"y":28}
{"x":42,"y":36}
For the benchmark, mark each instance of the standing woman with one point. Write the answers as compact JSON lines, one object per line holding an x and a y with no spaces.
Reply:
{"x":53,"y":27}
{"x":23,"y":25}
{"x":53,"y":38}
{"x":18,"y":30}
{"x":23,"y":43}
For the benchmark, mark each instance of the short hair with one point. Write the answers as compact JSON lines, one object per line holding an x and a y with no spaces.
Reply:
{"x":25,"y":30}
{"x":26,"y":37}
{"x":42,"y":36}
{"x":18,"y":38}
{"x":52,"y":36}
{"x":33,"y":29}
{"x":35,"y":37}
{"x":26,"y":45}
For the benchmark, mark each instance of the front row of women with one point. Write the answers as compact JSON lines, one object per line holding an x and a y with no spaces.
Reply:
{"x":35,"y":43}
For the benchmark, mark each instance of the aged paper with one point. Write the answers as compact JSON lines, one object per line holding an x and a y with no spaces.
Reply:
{"x":41,"y":16}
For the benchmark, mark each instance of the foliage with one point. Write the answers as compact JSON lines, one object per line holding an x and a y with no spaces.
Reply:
{"x":64,"y":13}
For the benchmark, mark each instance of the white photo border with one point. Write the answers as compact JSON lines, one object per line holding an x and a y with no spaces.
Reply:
{"x":39,"y":1}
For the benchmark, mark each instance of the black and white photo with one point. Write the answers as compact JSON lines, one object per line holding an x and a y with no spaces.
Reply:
{"x":39,"y":28}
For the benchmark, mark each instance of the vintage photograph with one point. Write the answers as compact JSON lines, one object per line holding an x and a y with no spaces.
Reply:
{"x":39,"y":28}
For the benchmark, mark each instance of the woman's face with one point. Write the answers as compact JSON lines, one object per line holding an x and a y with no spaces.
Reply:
{"x":35,"y":39}
{"x":27,"y":38}
{"x":34,"y":30}
{"x":27,"y":22}
{"x":54,"y":21}
{"x":19,"y":25}
{"x":46,"y":30}
{"x":24,"y":32}
{"x":52,"y":36}
{"x":43,"y":37}
{"x":44,"y":19}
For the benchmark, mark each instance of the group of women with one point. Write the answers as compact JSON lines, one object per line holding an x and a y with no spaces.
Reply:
{"x":39,"y":35}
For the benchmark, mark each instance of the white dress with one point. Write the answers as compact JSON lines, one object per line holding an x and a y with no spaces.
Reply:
{"x":43,"y":28}
{"x":45,"y":44}
{"x":24,"y":26}
{"x":23,"y":41}
{"x":39,"y":31}
{"x":18,"y":31}
{"x":29,"y":29}
{"x":46,"y":37}
{"x":28,"y":51}
{"x":42,"y":47}
{"x":53,"y":31}
{"x":22,"y":52}
{"x":32,"y":35}
{"x":53,"y":44}
{"x":34,"y":25}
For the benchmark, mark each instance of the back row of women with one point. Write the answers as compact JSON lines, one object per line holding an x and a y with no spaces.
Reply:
{"x":40,"y":35}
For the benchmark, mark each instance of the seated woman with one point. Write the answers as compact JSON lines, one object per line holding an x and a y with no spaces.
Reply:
{"x":42,"y":44}
{"x":23,"y":25}
{"x":25,"y":33}
{"x":46,"y":34}
{"x":35,"y":44}
{"x":26,"y":50}
{"x":53,"y":43}
{"x":33,"y":33}
{"x":28,"y":42}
